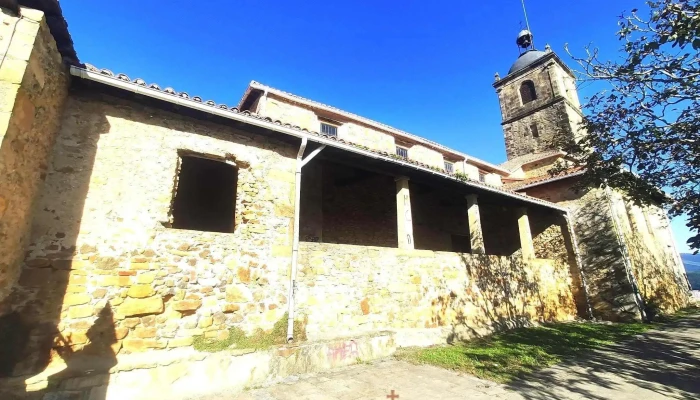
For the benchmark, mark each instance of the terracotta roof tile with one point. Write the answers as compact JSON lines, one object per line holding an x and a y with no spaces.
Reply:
{"x":517,"y":162}
{"x":546,"y":178}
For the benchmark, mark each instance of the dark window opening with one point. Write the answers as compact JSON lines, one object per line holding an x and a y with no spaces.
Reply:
{"x":328,"y":129}
{"x":482,"y":177}
{"x":206,"y":196}
{"x":527,"y":92}
{"x":535,"y":131}
{"x":461,"y":244}
{"x":401,"y":152}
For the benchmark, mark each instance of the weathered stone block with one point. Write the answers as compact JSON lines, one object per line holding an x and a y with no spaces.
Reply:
{"x":107,"y":263}
{"x":145,"y":333}
{"x":140,"y":291}
{"x":229,"y":308}
{"x":132,"y":307}
{"x":244,"y":275}
{"x":187,"y":305}
{"x":146,"y":278}
{"x":238,"y":294}
{"x":80,"y":311}
{"x":76,"y":299}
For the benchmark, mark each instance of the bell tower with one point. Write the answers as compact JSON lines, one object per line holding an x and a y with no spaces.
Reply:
{"x":539,"y":103}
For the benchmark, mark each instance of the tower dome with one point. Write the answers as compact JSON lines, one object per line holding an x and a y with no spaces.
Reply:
{"x":525,"y":59}
{"x":530,"y":55}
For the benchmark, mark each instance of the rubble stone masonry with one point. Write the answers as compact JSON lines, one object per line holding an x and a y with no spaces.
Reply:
{"x":346,"y":289}
{"x":33,"y":86}
{"x":104,"y":273}
{"x":627,"y":252}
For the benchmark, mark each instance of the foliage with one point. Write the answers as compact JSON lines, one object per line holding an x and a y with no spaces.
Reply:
{"x":237,"y":339}
{"x":461,"y":176}
{"x":505,"y":356}
{"x":645,"y":129}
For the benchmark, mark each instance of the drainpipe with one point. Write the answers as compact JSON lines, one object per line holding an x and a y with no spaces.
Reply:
{"x":579,"y":263}
{"x":625,"y":256}
{"x":295,"y":245}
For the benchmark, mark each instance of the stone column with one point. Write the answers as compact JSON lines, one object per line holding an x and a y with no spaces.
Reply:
{"x":526,"y":244}
{"x":403,"y":214}
{"x":476,"y":235}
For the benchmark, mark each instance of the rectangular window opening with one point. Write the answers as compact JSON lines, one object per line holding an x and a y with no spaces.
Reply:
{"x":449,"y":167}
{"x":534,"y":130}
{"x":401,"y":152}
{"x":328,"y":129}
{"x":482,"y":177}
{"x":206,"y":195}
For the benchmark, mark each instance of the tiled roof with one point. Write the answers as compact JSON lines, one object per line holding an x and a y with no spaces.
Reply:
{"x":546,"y":178}
{"x":385,"y":127}
{"x":140,"y":86}
{"x":517,"y":162}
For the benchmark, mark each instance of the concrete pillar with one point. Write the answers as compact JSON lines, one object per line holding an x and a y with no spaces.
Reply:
{"x":403,"y":214}
{"x":476,"y":235}
{"x":526,"y":244}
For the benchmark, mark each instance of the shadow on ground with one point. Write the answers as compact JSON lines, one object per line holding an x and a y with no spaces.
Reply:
{"x":663,"y":363}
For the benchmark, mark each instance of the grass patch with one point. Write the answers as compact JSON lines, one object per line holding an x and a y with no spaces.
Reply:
{"x":505,"y":356}
{"x":237,"y":339}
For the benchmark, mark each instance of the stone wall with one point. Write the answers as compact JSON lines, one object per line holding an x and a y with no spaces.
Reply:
{"x":184,"y":373}
{"x":625,"y":263}
{"x":552,"y":125}
{"x":368,"y":137}
{"x":654,"y":261}
{"x":610,"y":287}
{"x":426,"y":156}
{"x":33,"y":86}
{"x":279,"y":109}
{"x":553,"y":111}
{"x":359,"y":207}
{"x":104,"y":273}
{"x":540,"y":168}
{"x":345,"y":289}
{"x":509,"y":94}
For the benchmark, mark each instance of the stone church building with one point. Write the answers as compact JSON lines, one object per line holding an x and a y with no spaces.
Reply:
{"x":136,"y":219}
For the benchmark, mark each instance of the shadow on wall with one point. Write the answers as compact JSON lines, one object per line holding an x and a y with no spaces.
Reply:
{"x":662,"y":289}
{"x":552,"y":240}
{"x":501,"y":293}
{"x":49,"y":284}
{"x":610,"y":287}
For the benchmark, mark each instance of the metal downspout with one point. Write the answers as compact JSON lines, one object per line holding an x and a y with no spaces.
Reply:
{"x":295,"y":245}
{"x":579,"y":263}
{"x":626,"y":257}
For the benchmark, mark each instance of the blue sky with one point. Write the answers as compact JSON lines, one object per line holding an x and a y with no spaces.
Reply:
{"x":424,"y":67}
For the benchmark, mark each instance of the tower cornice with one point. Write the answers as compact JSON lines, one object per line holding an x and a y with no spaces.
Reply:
{"x":542,"y":60}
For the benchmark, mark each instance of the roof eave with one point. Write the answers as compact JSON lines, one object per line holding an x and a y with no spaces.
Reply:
{"x":375,"y":124}
{"x":252,"y":119}
{"x":546,"y":181}
{"x":515,"y":74}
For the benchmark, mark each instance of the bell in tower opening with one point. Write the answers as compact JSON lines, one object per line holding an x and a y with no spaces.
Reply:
{"x":524,"y":40}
